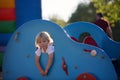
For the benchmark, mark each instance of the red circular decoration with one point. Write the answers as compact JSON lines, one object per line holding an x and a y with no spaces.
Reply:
{"x":86,"y":76}
{"x":22,"y":78}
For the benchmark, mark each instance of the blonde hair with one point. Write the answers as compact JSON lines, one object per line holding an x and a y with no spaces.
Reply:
{"x":44,"y":35}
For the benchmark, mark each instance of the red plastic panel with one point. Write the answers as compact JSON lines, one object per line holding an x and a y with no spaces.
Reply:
{"x":89,"y":40}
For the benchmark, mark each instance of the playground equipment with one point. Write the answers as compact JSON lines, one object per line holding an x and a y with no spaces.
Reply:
{"x":111,"y":47}
{"x":89,"y":33}
{"x":71,"y":61}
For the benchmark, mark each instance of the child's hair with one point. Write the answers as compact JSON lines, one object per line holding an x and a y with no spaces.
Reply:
{"x":44,"y":35}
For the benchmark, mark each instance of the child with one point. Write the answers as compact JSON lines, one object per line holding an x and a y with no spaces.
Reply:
{"x":44,"y":45}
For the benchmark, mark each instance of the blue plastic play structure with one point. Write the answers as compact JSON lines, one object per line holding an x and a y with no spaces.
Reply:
{"x":81,"y":61}
{"x":19,"y":58}
{"x":111,"y":47}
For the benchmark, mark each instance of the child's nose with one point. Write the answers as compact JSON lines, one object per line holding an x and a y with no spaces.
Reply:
{"x":42,"y":43}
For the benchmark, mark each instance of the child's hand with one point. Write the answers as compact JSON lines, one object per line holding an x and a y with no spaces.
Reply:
{"x":42,"y":72}
{"x":46,"y":72}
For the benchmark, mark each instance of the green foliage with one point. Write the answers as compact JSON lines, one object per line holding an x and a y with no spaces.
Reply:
{"x":116,"y":31}
{"x":110,"y":8}
{"x":111,"y":11}
{"x":84,"y":12}
{"x":58,"y":21}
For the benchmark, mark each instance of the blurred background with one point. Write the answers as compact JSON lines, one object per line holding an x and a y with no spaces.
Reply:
{"x":64,"y":12}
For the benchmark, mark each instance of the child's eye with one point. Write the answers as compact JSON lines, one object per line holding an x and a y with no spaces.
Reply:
{"x":39,"y":42}
{"x":44,"y":41}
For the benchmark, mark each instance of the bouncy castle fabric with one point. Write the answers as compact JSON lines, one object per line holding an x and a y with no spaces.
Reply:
{"x":7,"y":16}
{"x":7,"y":3}
{"x":7,"y":20}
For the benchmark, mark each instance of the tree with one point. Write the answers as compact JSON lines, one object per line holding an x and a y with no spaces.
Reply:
{"x":110,"y":8}
{"x":58,"y":20}
{"x":84,"y":12}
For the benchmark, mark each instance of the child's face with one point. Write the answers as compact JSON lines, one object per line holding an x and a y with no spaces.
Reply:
{"x":43,"y":43}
